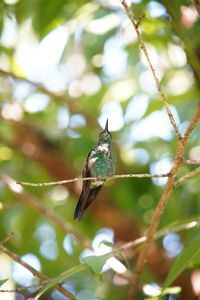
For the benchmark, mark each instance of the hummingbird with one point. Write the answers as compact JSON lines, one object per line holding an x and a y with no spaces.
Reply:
{"x":100,"y":163}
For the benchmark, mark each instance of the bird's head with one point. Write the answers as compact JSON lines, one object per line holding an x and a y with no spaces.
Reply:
{"x":105,"y":136}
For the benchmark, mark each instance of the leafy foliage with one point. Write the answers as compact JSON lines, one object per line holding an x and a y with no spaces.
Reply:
{"x":189,"y":254}
{"x":67,"y":66}
{"x":97,"y":262}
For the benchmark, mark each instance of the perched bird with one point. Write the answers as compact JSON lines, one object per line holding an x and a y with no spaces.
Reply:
{"x":100,"y":163}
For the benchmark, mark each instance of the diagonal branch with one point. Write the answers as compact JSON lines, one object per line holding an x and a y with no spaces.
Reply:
{"x":191,"y":162}
{"x":161,"y":206}
{"x":43,"y":278}
{"x":187,"y":176}
{"x":144,"y":49}
{"x":38,"y":86}
{"x":7,"y":238}
{"x":32,"y":201}
{"x":161,"y":233}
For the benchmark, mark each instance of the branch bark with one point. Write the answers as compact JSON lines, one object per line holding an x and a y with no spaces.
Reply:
{"x":161,"y":233}
{"x":43,"y":278}
{"x":143,"y":47}
{"x":187,"y":176}
{"x":121,"y":176}
{"x":32,"y":201}
{"x":39,"y":87}
{"x":177,"y":162}
{"x":161,"y":206}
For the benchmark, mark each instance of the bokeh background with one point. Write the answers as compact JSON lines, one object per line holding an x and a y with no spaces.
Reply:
{"x":65,"y":67}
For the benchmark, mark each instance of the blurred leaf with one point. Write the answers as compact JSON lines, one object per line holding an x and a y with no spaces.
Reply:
{"x":172,"y":290}
{"x":97,"y":262}
{"x":109,"y":244}
{"x":2,"y":281}
{"x":189,"y":253}
{"x":85,"y":295}
{"x":175,"y":290}
{"x":61,"y":278}
{"x":45,"y":146}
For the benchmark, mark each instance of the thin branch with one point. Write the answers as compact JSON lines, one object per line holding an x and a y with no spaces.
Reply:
{"x":43,"y":278}
{"x":17,"y":290}
{"x":131,"y":244}
{"x":191,"y":162}
{"x":38,"y":86}
{"x":32,"y":201}
{"x":24,"y":290}
{"x":161,"y":233}
{"x":121,"y":176}
{"x":7,"y":238}
{"x":192,"y":125}
{"x":144,"y":49}
{"x":187,"y":176}
{"x":161,"y":206}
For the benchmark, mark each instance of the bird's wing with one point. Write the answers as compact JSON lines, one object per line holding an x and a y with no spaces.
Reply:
{"x":86,"y":184}
{"x":94,"y":187}
{"x":85,"y":190}
{"x":92,"y":195}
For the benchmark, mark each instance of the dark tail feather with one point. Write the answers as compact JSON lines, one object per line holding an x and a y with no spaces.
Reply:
{"x":92,"y":196}
{"x":78,"y":213}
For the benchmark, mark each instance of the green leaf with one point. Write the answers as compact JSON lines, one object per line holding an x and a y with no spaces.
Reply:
{"x":109,"y":244}
{"x":2,"y":281}
{"x":97,"y":262}
{"x":181,"y":263}
{"x":85,"y":295}
{"x":62,"y":277}
{"x":175,"y":290}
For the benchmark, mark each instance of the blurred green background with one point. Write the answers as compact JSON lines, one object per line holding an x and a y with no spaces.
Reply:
{"x":65,"y":67}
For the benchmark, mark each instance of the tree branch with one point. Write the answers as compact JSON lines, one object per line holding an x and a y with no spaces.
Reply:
{"x":121,"y":176}
{"x":187,"y":176}
{"x":161,"y":233}
{"x":161,"y":206}
{"x":7,"y":238}
{"x":32,"y":201}
{"x":38,"y":86}
{"x":191,"y":162}
{"x":43,"y":278}
{"x":143,"y":47}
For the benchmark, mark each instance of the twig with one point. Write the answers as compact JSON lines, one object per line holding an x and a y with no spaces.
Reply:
{"x":43,"y":278}
{"x":187,"y":176}
{"x":17,"y":290}
{"x":161,"y":233}
{"x":191,"y":162}
{"x":7,"y":238}
{"x":161,"y":206}
{"x":32,"y":201}
{"x":38,"y":86}
{"x":143,"y":47}
{"x":121,"y":176}
{"x":24,"y":290}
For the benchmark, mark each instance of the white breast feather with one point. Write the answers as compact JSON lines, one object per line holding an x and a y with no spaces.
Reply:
{"x":91,"y":162}
{"x":103,"y":148}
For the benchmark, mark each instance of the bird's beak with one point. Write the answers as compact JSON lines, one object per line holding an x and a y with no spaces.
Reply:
{"x":106,"y":127}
